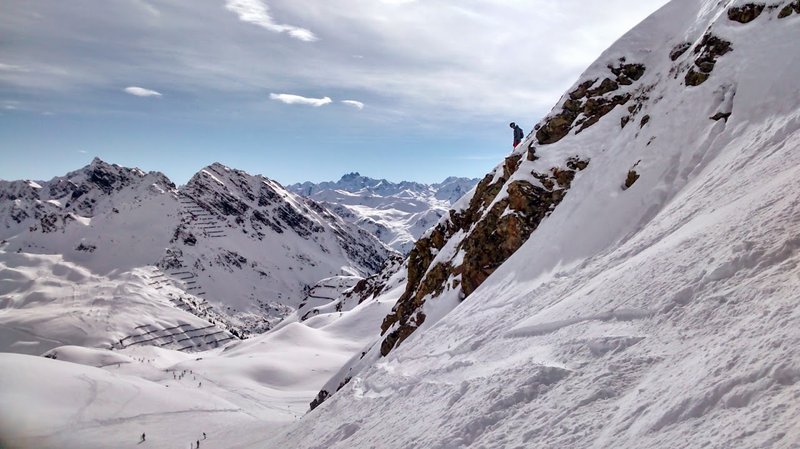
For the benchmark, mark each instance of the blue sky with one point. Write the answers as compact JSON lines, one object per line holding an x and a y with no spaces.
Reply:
{"x":293,"y":89}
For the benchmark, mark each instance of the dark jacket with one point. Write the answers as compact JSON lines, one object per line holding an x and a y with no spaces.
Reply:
{"x":518,"y":135}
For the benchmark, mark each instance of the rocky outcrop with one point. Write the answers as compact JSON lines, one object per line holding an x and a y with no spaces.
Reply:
{"x":746,"y":13}
{"x":259,"y":208}
{"x":788,"y":10}
{"x":678,"y":50}
{"x":371,"y":286}
{"x":586,"y":105}
{"x":500,"y":217}
{"x":708,"y":51}
{"x":48,"y":206}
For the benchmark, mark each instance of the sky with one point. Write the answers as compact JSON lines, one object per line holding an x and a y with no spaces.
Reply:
{"x":296,"y":90}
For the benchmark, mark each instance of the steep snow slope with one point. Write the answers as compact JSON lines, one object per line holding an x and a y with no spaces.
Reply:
{"x":397,"y":213}
{"x":276,"y":245}
{"x":651,"y":305}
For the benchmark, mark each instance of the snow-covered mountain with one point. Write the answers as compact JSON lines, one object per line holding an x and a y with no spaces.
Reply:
{"x":236,"y":250}
{"x":623,"y":279}
{"x":397,"y":213}
{"x":627,"y":278}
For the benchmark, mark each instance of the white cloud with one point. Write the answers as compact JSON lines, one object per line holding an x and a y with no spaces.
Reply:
{"x":141,"y":92}
{"x":372,"y":50}
{"x":82,"y":151}
{"x":297,"y":99}
{"x":356,"y":104}
{"x":257,"y":13}
{"x":148,"y":7}
{"x":12,"y":68}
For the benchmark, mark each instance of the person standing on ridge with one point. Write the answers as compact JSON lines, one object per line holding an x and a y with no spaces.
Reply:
{"x":518,"y":134}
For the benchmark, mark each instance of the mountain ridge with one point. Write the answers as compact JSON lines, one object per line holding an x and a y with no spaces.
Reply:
{"x":240,"y":244}
{"x":397,"y":213}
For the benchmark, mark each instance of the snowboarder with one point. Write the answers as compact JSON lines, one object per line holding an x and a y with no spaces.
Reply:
{"x":518,"y":133}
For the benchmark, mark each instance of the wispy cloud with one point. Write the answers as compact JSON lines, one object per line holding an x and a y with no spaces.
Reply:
{"x":141,"y":92}
{"x":297,"y":99}
{"x":9,"y":105}
{"x":148,"y":7}
{"x":12,"y":68}
{"x":257,"y":13}
{"x":82,"y":151}
{"x":356,"y":104}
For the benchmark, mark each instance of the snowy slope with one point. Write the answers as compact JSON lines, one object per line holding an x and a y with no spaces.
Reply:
{"x":397,"y":213}
{"x":654,"y":305}
{"x":631,"y":285}
{"x":238,"y":395}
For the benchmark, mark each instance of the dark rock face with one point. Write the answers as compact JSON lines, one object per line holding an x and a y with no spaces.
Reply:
{"x":679,"y":50}
{"x":321,"y":397}
{"x":323,"y":394}
{"x":254,"y":205}
{"x":495,"y":230}
{"x":631,"y":179}
{"x":374,"y":285}
{"x":720,"y":116}
{"x":746,"y":13}
{"x":786,"y":11}
{"x":708,"y":51}
{"x":586,"y":105}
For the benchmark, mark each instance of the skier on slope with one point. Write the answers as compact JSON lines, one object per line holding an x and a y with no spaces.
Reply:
{"x":518,"y":133}
{"x":142,"y":437}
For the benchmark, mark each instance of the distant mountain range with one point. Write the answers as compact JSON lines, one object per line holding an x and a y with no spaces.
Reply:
{"x":397,"y":213}
{"x":237,"y":250}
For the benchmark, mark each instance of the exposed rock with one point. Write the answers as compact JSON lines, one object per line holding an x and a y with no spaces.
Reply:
{"x":374,"y":285}
{"x":580,"y":92}
{"x":608,"y":85}
{"x":627,"y":73}
{"x":531,"y":154}
{"x":720,"y":116}
{"x":86,"y":248}
{"x":321,"y":397}
{"x":708,"y":51}
{"x":645,"y":120}
{"x":679,"y":50}
{"x":631,"y":179}
{"x":596,"y":108}
{"x":695,"y":78}
{"x":493,"y":235}
{"x":585,"y":105}
{"x":787,"y":10}
{"x":556,"y":127}
{"x":746,"y":13}
{"x":576,"y":163}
